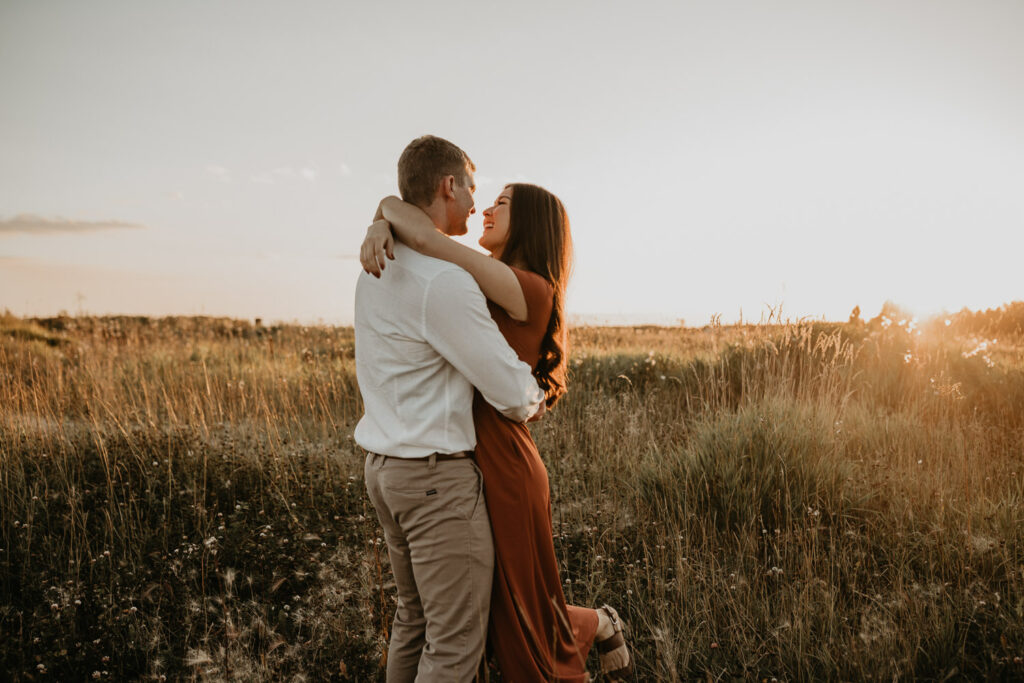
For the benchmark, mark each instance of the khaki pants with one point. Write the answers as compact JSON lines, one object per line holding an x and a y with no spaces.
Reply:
{"x":442,"y":555}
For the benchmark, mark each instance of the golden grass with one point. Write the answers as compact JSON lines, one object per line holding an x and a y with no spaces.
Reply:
{"x":182,"y":498}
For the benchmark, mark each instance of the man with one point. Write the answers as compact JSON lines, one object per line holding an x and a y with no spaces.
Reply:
{"x":424,"y":339}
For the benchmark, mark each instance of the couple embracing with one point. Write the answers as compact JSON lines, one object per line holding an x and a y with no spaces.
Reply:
{"x":455,"y":352}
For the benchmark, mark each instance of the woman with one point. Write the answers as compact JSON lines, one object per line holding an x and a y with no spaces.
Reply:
{"x":534,"y":635}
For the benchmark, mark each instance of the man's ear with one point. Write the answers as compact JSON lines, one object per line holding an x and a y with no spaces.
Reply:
{"x":448,"y":187}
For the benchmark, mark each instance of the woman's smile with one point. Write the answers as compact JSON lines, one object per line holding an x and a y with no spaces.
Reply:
{"x":496,"y":219}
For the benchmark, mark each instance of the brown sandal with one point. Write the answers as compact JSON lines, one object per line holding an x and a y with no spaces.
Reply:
{"x":613,"y":643}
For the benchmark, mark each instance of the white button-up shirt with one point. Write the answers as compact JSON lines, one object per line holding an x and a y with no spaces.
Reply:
{"x":424,"y":339}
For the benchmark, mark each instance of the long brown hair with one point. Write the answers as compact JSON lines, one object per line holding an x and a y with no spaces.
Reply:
{"x":539,"y":239}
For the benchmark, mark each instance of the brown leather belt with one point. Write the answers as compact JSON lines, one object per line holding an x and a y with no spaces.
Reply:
{"x":438,"y":457}
{"x":450,"y":456}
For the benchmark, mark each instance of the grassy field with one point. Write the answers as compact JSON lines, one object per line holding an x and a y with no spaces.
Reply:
{"x":182,"y":499}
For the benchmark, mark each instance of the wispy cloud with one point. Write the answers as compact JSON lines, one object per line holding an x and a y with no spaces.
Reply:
{"x":31,"y":224}
{"x":270,"y":177}
{"x":219,"y":172}
{"x":345,"y":169}
{"x":285,"y":173}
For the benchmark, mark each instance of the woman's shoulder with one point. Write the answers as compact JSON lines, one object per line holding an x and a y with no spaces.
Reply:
{"x":533,"y":284}
{"x":539,"y":295}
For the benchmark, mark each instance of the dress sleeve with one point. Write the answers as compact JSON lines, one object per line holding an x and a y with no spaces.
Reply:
{"x":539,"y":297}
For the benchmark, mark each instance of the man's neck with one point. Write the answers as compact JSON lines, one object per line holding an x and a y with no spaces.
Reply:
{"x":435,"y":210}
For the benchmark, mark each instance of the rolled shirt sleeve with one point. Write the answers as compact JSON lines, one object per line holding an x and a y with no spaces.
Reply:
{"x":458,"y":325}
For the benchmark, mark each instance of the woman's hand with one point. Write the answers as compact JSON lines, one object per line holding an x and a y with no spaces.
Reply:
{"x":378,"y":246}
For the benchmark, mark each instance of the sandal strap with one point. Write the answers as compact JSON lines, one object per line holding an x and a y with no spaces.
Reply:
{"x":613,"y":616}
{"x":613,"y":642}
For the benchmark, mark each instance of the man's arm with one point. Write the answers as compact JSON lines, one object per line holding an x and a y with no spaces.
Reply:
{"x":457,"y":323}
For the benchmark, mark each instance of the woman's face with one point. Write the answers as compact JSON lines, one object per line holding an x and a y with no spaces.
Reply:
{"x":496,"y":217}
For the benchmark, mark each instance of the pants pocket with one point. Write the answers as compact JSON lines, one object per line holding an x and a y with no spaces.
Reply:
{"x":456,"y":487}
{"x":461,"y":487}
{"x":479,"y":498}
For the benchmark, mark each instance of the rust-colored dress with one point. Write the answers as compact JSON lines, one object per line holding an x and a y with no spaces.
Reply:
{"x":534,"y":635}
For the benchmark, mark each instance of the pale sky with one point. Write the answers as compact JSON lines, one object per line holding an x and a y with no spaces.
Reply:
{"x":226,"y":157}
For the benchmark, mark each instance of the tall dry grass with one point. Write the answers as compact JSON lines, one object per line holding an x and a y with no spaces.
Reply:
{"x":182,"y":498}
